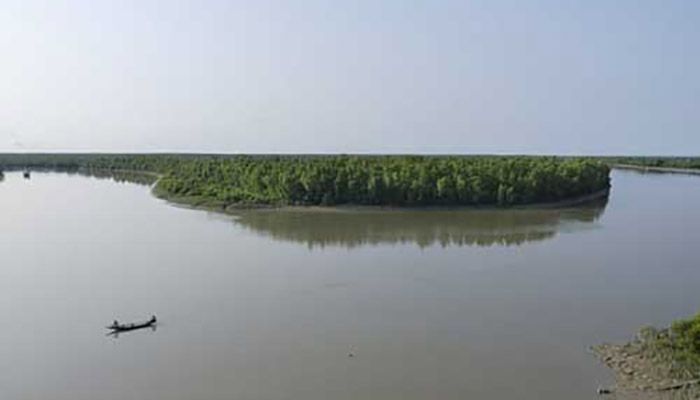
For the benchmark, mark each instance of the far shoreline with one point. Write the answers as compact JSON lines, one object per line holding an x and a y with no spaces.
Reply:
{"x":665,"y":170}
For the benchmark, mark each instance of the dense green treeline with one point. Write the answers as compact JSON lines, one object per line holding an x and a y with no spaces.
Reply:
{"x":401,"y":181}
{"x":362,"y":180}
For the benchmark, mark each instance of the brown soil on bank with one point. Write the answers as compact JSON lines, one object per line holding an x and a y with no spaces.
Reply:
{"x":644,"y":370}
{"x":201,"y":203}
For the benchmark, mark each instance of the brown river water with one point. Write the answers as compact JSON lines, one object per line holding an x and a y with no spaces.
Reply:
{"x":488,"y":304}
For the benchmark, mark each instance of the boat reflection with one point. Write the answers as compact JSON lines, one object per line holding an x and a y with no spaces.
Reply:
{"x":115,"y":333}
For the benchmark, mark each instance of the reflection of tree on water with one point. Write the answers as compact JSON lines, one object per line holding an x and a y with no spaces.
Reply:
{"x":424,"y":228}
{"x":120,"y":176}
{"x":141,"y":178}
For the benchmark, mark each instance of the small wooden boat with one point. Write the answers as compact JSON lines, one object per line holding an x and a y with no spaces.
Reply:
{"x":117,"y":327}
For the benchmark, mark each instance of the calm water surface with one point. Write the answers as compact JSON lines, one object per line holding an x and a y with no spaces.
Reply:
{"x":268,"y":305}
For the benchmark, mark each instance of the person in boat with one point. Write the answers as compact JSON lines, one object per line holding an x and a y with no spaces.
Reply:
{"x":115,"y":324}
{"x":153,"y":319}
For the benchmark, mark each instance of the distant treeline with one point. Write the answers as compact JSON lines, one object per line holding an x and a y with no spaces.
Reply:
{"x":656,"y":162}
{"x":223,"y":180}
{"x":79,"y":161}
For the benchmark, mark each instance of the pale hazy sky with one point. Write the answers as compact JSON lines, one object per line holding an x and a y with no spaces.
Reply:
{"x":486,"y":76}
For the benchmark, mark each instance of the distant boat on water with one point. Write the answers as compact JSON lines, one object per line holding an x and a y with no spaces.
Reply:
{"x":117,"y":327}
{"x":27,"y":174}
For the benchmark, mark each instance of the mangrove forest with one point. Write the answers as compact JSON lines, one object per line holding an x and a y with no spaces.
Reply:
{"x":325,"y":180}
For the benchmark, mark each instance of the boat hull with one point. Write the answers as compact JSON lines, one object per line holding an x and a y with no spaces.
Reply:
{"x":131,"y":327}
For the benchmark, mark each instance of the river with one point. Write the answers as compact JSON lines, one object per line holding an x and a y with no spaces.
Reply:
{"x":331,"y":305}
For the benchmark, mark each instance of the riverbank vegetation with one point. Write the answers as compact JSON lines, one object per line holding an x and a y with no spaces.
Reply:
{"x":657,"y":360}
{"x":413,"y":181}
{"x":397,"y":181}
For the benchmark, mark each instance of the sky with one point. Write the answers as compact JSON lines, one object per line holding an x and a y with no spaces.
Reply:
{"x":364,"y":76}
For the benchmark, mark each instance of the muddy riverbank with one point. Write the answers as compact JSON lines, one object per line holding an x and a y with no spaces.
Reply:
{"x":201,"y":203}
{"x":648,"y":368}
